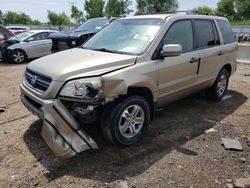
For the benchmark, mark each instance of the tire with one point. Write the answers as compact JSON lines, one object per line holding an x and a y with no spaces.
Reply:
{"x":219,"y":88}
{"x":119,"y":124}
{"x":18,"y":56}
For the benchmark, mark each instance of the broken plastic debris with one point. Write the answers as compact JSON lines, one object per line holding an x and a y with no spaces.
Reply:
{"x":232,"y":144}
{"x":210,"y":130}
{"x":2,"y":109}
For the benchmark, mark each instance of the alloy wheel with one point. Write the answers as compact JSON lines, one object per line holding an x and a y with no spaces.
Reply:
{"x":131,"y":121}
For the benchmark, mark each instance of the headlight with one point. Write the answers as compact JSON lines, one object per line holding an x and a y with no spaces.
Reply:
{"x":86,"y":88}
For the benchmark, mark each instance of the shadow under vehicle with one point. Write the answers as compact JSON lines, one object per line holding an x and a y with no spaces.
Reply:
{"x":176,"y":124}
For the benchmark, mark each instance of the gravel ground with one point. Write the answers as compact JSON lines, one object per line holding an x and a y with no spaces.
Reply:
{"x":175,"y":153}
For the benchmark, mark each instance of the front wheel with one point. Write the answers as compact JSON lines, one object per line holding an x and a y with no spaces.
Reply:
{"x":126,"y":122}
{"x":219,"y":88}
{"x":18,"y":56}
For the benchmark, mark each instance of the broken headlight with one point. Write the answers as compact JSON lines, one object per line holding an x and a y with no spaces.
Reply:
{"x":85,"y":88}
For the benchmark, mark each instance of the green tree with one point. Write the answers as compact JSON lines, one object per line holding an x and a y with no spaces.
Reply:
{"x":1,"y":14}
{"x":94,"y":8}
{"x":36,"y":22}
{"x":18,"y":18}
{"x":243,"y":7}
{"x":77,"y":15}
{"x":12,"y":17}
{"x":116,"y":8}
{"x":155,"y":6}
{"x":226,"y":8}
{"x":205,"y":9}
{"x":58,"y":18}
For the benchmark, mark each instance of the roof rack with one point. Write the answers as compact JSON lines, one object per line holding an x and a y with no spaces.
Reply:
{"x":184,"y":11}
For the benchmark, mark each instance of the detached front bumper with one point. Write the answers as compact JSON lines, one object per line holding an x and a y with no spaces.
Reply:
{"x":60,"y":130}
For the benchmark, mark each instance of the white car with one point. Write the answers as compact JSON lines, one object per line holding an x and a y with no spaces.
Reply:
{"x":28,"y":45}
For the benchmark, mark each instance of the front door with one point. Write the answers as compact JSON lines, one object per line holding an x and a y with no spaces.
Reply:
{"x":178,"y":73}
{"x":39,"y":45}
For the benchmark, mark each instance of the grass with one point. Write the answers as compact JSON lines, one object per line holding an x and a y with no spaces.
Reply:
{"x":241,"y":23}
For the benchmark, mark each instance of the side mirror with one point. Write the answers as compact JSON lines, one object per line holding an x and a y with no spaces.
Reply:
{"x":171,"y":50}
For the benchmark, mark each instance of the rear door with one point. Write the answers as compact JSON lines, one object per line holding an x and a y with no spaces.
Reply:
{"x":229,"y":47}
{"x":208,"y":44}
{"x":178,"y":73}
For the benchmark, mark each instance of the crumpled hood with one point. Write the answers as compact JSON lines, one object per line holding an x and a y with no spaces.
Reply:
{"x":78,"y":62}
{"x":70,"y":34}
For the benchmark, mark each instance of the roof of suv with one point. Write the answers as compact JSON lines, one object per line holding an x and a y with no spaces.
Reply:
{"x":179,"y":15}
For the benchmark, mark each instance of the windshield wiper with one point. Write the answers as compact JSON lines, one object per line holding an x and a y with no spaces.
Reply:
{"x":105,"y":50}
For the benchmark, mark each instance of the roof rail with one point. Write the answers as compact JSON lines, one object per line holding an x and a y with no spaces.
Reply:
{"x":184,"y":11}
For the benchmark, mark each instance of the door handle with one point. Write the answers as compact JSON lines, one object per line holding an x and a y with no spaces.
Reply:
{"x":220,"y":53}
{"x":194,"y":60}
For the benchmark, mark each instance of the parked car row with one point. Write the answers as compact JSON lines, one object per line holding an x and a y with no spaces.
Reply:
{"x":18,"y":44}
{"x":27,"y":45}
{"x":244,"y":37}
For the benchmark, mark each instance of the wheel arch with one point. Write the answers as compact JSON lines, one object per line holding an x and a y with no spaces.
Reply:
{"x":147,"y":94}
{"x":20,"y":49}
{"x":228,"y":67}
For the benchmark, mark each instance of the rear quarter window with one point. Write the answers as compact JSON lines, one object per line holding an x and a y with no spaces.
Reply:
{"x":226,"y":31}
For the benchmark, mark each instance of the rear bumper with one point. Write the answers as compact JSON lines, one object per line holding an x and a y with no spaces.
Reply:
{"x":60,"y":130}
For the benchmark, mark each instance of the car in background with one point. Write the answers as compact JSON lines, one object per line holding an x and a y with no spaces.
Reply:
{"x":18,"y":29}
{"x":5,"y":34}
{"x":28,"y":45}
{"x":70,"y":39}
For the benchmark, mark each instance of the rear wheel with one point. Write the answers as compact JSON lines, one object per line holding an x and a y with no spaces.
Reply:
{"x":18,"y":56}
{"x":126,"y":122}
{"x":219,"y":88}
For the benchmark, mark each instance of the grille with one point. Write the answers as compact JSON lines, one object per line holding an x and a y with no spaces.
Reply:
{"x":36,"y":81}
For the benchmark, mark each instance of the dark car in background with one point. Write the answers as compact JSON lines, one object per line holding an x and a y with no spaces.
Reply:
{"x":70,"y":39}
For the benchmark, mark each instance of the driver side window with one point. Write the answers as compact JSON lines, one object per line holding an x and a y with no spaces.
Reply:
{"x":180,"y":32}
{"x":39,"y":36}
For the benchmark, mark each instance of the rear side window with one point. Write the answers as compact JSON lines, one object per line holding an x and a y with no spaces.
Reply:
{"x":206,"y":34}
{"x":180,"y":32}
{"x":226,"y":31}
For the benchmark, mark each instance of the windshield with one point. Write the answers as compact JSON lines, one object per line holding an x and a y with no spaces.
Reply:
{"x":22,"y":36}
{"x":131,"y":36}
{"x":93,"y":25}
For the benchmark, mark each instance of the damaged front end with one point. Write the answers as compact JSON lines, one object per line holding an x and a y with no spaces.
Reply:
{"x":76,"y":103}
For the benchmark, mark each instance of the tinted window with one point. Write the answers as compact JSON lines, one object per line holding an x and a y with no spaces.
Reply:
{"x":93,"y":25}
{"x":226,"y":31}
{"x":40,"y":36}
{"x":205,"y":36}
{"x":180,"y":33}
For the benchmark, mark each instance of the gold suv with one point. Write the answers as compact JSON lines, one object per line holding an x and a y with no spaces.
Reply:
{"x":123,"y":73}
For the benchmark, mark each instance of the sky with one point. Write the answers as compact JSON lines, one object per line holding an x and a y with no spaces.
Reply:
{"x":37,"y":9}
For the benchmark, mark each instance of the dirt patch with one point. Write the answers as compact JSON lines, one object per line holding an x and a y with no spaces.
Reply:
{"x":176,"y":152}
